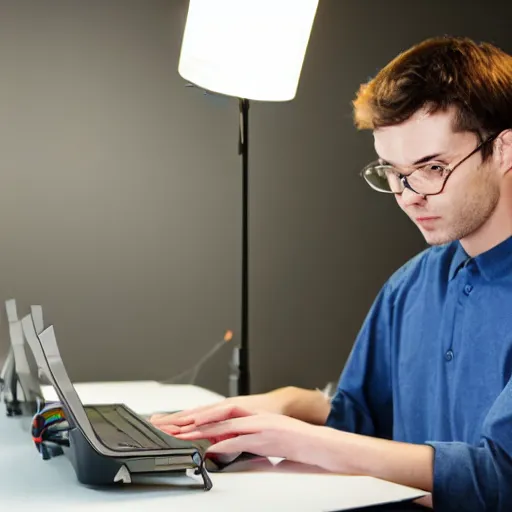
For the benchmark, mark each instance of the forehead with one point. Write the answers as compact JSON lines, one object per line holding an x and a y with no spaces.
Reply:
{"x":421,"y":135}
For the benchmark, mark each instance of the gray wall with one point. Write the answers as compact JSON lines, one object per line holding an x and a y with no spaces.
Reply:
{"x":323,"y":243}
{"x":120,"y":190}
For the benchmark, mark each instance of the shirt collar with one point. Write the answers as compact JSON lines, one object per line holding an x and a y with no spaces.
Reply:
{"x":460,"y":258}
{"x":491,"y":263}
{"x":495,"y":261}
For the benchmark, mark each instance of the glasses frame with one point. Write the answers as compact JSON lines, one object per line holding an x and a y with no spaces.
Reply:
{"x":403,"y":177}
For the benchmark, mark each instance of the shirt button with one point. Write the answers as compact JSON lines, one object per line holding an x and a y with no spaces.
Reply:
{"x":449,"y":355}
{"x":467,"y":289}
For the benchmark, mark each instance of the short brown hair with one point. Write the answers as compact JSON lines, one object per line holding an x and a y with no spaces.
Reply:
{"x":437,"y":74}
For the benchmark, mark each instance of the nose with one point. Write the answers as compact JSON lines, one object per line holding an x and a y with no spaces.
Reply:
{"x":410,"y":198}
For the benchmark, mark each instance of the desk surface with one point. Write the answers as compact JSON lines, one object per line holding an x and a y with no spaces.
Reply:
{"x":144,"y":397}
{"x":28,"y":481}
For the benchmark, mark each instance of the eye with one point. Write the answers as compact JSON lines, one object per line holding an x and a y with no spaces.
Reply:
{"x":437,"y":168}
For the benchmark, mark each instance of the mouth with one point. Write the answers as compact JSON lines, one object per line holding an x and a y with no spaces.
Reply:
{"x":427,"y":222}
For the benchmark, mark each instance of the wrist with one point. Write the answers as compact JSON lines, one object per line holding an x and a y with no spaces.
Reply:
{"x":283,"y":399}
{"x":333,"y":451}
{"x":354,"y":454}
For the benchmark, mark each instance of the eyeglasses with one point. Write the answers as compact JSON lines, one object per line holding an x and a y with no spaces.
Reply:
{"x":427,"y":180}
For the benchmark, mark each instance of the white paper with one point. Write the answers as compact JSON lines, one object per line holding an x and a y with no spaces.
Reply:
{"x":10,"y":308}
{"x":37,"y":318}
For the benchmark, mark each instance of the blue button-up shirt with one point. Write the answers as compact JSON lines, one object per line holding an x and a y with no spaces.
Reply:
{"x":432,"y":365}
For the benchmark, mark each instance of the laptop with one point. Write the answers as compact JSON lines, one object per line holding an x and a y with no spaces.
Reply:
{"x":20,"y":387}
{"x":109,"y":443}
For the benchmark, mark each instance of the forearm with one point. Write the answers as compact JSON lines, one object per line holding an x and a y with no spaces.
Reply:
{"x":402,"y":463}
{"x":308,"y":405}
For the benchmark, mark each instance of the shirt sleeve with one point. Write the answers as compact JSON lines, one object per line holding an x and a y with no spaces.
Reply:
{"x":477,"y":478}
{"x":363,"y":400}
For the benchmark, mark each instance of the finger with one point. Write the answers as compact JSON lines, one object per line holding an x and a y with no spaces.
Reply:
{"x":248,"y":443}
{"x":220,"y":414}
{"x":169,"y":418}
{"x":164,"y":422}
{"x":179,"y":422}
{"x":186,"y":428}
{"x":195,"y":435}
{"x":170,"y":429}
{"x":231,"y":427}
{"x":162,"y":419}
{"x":175,"y":429}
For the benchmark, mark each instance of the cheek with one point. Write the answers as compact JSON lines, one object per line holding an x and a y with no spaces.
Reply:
{"x":462,"y":198}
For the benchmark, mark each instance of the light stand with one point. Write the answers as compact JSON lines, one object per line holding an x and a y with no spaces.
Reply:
{"x":250,"y":50}
{"x":244,"y":375}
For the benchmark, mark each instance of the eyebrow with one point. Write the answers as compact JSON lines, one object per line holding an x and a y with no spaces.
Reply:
{"x":426,"y":159}
{"x":422,"y":160}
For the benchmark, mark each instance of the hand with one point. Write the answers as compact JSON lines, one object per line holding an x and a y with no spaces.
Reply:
{"x":265,"y":402}
{"x":232,"y":429}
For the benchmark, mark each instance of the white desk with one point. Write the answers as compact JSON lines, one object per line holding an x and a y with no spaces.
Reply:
{"x":144,"y":397}
{"x":26,"y":481}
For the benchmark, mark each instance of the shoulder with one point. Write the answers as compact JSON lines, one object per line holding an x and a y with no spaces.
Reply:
{"x":434,"y":261}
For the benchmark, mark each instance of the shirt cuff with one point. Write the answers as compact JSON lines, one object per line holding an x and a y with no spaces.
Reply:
{"x":465,"y":478}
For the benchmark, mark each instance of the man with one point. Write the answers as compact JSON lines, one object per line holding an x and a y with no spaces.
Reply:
{"x":425,"y":398}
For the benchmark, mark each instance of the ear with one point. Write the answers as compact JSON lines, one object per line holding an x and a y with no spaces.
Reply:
{"x":504,"y":151}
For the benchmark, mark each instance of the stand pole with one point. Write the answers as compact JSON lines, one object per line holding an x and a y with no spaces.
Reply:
{"x":244,"y":371}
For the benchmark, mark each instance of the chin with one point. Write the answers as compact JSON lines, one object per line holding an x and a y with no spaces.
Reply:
{"x":436,"y":238}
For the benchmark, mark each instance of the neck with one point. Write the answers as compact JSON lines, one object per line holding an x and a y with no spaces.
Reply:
{"x":496,"y":229}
